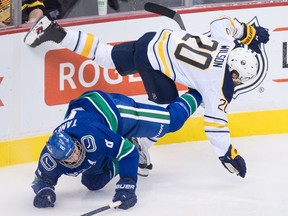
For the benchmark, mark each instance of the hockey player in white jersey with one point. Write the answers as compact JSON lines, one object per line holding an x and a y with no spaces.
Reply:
{"x":204,"y":63}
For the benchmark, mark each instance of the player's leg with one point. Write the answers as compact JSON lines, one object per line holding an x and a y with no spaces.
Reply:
{"x":131,"y":57}
{"x":143,"y":144}
{"x":149,"y":122}
{"x":95,"y":178}
{"x":44,"y":30}
{"x":130,"y":113}
{"x":127,"y":58}
{"x":160,"y":88}
{"x":120,"y":56}
{"x":84,"y":44}
{"x":137,"y":117}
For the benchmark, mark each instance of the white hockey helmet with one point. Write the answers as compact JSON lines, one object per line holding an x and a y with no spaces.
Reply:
{"x":243,"y":62}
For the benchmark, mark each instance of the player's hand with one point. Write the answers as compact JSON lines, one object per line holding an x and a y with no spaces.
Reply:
{"x":125,"y":192}
{"x":233,"y":162}
{"x":45,"y":198}
{"x":262,"y":36}
{"x":254,"y":36}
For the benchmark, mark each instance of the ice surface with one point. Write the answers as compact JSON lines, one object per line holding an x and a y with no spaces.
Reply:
{"x":187,"y":180}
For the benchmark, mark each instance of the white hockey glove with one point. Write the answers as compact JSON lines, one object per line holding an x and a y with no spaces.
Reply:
{"x":233,"y":162}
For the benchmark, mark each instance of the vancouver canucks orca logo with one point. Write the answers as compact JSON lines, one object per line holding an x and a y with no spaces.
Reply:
{"x":261,"y":72}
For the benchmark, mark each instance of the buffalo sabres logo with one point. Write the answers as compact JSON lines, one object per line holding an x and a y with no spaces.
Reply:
{"x":261,"y":72}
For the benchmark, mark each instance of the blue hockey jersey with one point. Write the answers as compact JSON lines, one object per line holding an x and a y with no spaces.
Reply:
{"x":92,"y":119}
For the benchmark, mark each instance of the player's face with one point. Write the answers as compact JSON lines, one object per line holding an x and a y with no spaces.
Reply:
{"x":234,"y":74}
{"x":235,"y":77}
{"x":74,"y":157}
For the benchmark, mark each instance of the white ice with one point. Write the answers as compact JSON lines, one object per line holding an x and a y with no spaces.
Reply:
{"x":187,"y":180}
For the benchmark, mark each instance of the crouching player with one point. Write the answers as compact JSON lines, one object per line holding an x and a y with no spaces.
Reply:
{"x":93,"y":141}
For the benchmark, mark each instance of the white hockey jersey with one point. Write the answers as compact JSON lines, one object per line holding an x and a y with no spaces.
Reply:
{"x":199,"y":62}
{"x":192,"y":59}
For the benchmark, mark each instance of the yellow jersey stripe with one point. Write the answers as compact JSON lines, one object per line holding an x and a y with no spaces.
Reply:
{"x":161,"y":51}
{"x":213,"y":124}
{"x":233,"y":24}
{"x":88,"y":45}
{"x":34,"y":4}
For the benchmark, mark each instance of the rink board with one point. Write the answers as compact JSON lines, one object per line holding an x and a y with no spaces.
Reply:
{"x":241,"y":124}
{"x":35,"y":90}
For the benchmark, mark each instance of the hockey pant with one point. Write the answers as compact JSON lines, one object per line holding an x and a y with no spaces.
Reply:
{"x":131,"y":57}
{"x":145,"y":120}
{"x":96,"y":178}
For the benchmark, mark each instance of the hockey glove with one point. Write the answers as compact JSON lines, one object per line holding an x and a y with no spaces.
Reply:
{"x":254,"y":36}
{"x":45,"y":198}
{"x":233,"y":162}
{"x":125,"y":192}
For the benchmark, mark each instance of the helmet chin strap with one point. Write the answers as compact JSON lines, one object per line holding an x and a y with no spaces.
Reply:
{"x":82,"y":153}
{"x":236,"y":82}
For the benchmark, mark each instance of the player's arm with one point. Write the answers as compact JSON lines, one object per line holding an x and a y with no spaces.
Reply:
{"x":218,"y":133}
{"x":35,"y":9}
{"x":219,"y":136}
{"x":226,"y":28}
{"x":34,"y":15}
{"x":46,"y":177}
{"x":126,"y":156}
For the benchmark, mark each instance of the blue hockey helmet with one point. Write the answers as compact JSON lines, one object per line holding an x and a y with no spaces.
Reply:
{"x":60,"y":145}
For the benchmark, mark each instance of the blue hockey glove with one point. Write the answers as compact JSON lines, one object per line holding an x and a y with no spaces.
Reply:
{"x":233,"y":162}
{"x":254,"y":36}
{"x":125,"y":192}
{"x":262,"y":36}
{"x":45,"y":198}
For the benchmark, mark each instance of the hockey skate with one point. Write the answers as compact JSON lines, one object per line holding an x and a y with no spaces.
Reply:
{"x":144,"y":164}
{"x":44,"y":30}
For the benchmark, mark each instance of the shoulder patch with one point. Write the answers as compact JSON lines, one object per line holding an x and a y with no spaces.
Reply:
{"x":89,"y":142}
{"x":48,"y":162}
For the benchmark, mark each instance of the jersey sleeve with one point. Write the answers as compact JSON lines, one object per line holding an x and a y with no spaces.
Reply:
{"x":30,"y":5}
{"x":47,"y":172}
{"x":128,"y":158}
{"x":123,"y":152}
{"x":102,"y":144}
{"x":225,"y":28}
{"x":216,"y":121}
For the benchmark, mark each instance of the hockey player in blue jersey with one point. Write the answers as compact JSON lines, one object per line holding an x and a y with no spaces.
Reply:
{"x":93,"y":141}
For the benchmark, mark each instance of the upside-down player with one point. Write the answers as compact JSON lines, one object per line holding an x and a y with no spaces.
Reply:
{"x":197,"y":61}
